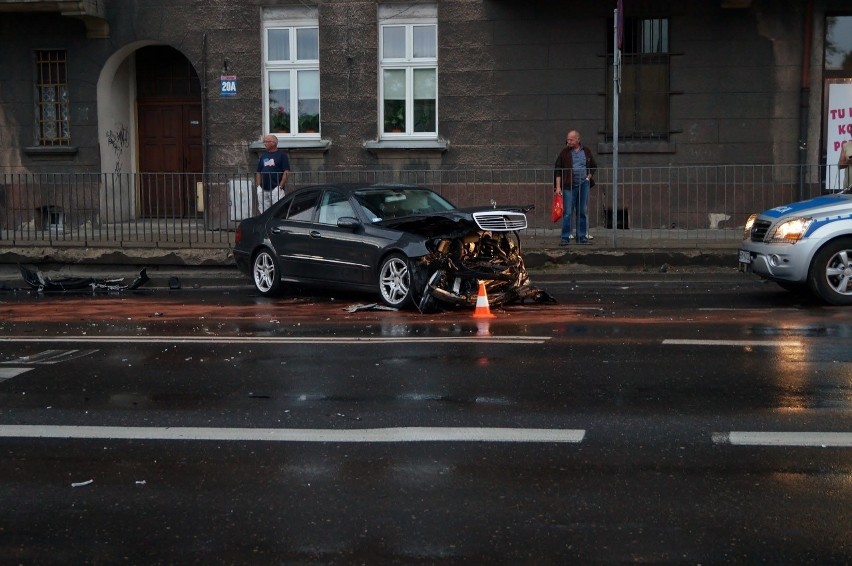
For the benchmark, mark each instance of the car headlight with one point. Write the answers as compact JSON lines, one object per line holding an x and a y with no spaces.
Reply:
{"x":747,"y":228}
{"x":790,"y":231}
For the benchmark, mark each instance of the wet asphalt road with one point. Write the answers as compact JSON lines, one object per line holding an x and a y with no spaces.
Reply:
{"x":702,"y":422}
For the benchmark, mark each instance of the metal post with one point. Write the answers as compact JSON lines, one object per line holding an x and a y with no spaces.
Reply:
{"x":616,"y":88}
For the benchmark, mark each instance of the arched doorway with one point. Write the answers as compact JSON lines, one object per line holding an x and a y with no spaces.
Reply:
{"x":169,"y":132}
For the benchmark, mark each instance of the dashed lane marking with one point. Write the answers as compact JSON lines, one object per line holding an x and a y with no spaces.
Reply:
{"x":801,"y":439}
{"x":47,"y":357}
{"x":9,"y":373}
{"x":51,"y":357}
{"x":363,"y":435}
{"x":738,"y":343}
{"x":396,"y":434}
{"x":282,"y":339}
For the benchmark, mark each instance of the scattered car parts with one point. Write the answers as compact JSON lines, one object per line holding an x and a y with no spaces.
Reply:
{"x":45,"y":284}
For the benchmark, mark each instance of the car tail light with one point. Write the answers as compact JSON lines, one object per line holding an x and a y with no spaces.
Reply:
{"x":238,"y":235}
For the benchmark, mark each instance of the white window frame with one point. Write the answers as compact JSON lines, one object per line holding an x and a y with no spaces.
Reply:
{"x":294,"y":67}
{"x":409,"y":64}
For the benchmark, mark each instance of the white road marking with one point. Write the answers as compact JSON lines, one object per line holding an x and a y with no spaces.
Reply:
{"x":752,"y":438}
{"x":766,"y":343}
{"x":747,"y":309}
{"x":393,"y":434}
{"x":51,"y":357}
{"x":282,"y":339}
{"x":9,"y":373}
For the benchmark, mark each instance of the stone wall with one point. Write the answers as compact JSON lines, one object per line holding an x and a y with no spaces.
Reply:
{"x":513,"y":78}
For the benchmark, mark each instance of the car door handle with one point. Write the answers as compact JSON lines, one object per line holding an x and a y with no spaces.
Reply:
{"x":316,"y":234}
{"x":277,"y":230}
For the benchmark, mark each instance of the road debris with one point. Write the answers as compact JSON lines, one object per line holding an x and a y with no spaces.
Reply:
{"x":369,"y":307}
{"x":44,"y":284}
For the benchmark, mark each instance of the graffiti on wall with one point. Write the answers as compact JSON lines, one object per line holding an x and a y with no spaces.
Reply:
{"x":118,"y":141}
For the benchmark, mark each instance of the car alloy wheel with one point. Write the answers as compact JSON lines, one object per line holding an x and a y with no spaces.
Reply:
{"x":831,"y":272}
{"x":395,"y":281}
{"x":266,"y":273}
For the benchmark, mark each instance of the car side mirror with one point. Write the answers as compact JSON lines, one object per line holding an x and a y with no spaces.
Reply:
{"x":348,"y":222}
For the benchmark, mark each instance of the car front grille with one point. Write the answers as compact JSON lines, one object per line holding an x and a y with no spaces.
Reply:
{"x":759,"y":229}
{"x":500,"y":221}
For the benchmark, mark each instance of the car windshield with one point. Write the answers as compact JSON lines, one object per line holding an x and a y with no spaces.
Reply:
{"x":382,"y":204}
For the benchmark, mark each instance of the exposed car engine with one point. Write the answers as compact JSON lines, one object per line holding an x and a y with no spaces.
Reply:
{"x":452,"y":272}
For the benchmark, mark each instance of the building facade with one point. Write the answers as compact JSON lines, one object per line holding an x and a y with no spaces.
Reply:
{"x":184,"y":87}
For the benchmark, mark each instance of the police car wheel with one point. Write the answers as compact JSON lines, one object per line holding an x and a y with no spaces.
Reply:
{"x":831,"y":272}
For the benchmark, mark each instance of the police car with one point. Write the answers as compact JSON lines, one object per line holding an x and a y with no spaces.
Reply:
{"x":803,"y":245}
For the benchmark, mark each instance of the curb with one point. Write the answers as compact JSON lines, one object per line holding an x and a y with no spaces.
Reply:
{"x":636,"y":259}
{"x":214,"y":267}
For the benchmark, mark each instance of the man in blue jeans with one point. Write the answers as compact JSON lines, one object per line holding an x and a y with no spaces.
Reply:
{"x":572,"y":178}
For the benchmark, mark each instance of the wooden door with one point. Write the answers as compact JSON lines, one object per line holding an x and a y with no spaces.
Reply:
{"x":170,"y":158}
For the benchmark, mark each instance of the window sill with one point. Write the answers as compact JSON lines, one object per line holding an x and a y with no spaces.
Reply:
{"x":295,"y":145}
{"x":398,"y":145}
{"x":638,"y":147}
{"x":45,"y":151}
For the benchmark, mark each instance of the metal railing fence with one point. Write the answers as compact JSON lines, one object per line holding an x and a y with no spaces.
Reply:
{"x":203,"y":210}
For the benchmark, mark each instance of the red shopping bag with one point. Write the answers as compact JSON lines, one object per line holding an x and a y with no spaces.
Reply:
{"x":556,"y":211}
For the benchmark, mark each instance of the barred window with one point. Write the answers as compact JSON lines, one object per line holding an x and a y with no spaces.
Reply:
{"x":52,"y":126}
{"x":643,"y":113}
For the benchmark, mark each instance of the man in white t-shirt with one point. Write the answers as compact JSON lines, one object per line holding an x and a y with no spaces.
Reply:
{"x":273,"y":169}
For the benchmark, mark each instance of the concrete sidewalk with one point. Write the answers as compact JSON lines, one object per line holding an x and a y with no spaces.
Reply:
{"x":634,"y":250}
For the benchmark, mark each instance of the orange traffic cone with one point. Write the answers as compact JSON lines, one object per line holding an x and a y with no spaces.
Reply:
{"x":482,"y":308}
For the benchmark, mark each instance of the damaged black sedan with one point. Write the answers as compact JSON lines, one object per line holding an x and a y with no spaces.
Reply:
{"x":405,"y":242}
